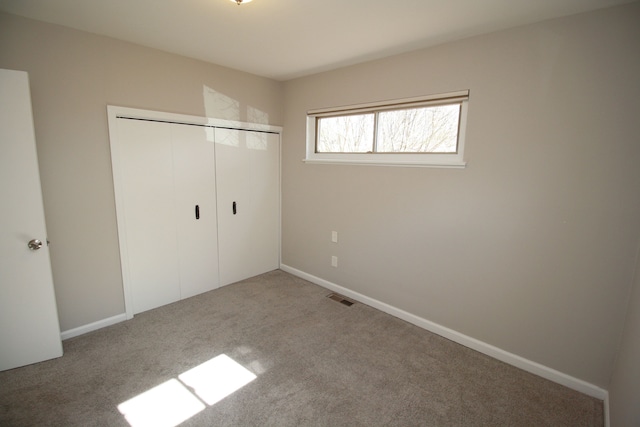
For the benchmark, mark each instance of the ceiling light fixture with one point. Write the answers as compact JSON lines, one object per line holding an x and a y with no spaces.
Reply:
{"x":239,"y":2}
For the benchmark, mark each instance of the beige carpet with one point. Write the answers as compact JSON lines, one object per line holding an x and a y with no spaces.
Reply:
{"x":316,"y":362}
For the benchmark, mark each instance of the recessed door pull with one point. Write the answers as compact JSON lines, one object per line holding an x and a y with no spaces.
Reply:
{"x":234,"y":208}
{"x":197,"y":211}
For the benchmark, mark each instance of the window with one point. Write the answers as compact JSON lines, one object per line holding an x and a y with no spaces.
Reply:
{"x":425,"y":131}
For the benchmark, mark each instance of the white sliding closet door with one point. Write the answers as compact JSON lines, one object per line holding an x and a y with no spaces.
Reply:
{"x":248,"y":182}
{"x":195,"y":185}
{"x":146,"y":160}
{"x":197,"y":202}
{"x":170,"y":250}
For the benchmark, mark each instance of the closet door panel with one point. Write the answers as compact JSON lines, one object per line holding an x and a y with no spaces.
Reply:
{"x":146,"y":160}
{"x":195,"y":185}
{"x":247,"y":169}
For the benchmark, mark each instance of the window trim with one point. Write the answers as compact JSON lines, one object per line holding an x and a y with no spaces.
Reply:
{"x":443,"y":160}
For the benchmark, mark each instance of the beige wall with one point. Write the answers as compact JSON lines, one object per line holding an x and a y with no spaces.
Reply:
{"x":625,"y":383}
{"x":74,"y":75}
{"x":532,"y":247}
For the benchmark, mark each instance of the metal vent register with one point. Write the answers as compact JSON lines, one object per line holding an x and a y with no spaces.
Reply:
{"x":341,"y":299}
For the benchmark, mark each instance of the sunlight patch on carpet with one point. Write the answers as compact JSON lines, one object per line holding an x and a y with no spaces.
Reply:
{"x":171,"y":403}
{"x":216,"y":379}
{"x":166,"y":405}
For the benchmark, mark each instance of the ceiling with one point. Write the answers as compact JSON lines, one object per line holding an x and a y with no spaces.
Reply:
{"x":285,"y":39}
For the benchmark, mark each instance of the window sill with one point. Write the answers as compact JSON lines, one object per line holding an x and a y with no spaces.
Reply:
{"x":414,"y":164}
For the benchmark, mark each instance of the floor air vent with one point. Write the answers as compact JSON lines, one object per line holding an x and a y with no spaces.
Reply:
{"x":341,"y":299}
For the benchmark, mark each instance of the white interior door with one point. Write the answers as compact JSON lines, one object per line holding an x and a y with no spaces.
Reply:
{"x":29,"y":328}
{"x":248,"y":181}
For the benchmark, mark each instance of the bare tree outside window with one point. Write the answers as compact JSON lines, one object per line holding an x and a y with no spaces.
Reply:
{"x":345,"y":134}
{"x":431,"y":129}
{"x":419,"y":130}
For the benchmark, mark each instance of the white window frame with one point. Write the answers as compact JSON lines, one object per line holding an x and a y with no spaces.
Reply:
{"x":444,"y":160}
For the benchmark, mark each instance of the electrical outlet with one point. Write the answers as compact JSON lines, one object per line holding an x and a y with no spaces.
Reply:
{"x":334,"y":261}
{"x":334,"y":236}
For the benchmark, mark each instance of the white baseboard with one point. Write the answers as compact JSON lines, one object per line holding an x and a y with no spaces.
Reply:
{"x":93,"y":326}
{"x":467,"y":341}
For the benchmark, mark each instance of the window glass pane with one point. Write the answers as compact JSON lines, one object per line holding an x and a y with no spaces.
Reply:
{"x":345,"y":134}
{"x":419,"y":130}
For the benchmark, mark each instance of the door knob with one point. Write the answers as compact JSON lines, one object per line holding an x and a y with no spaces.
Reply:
{"x":34,"y":244}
